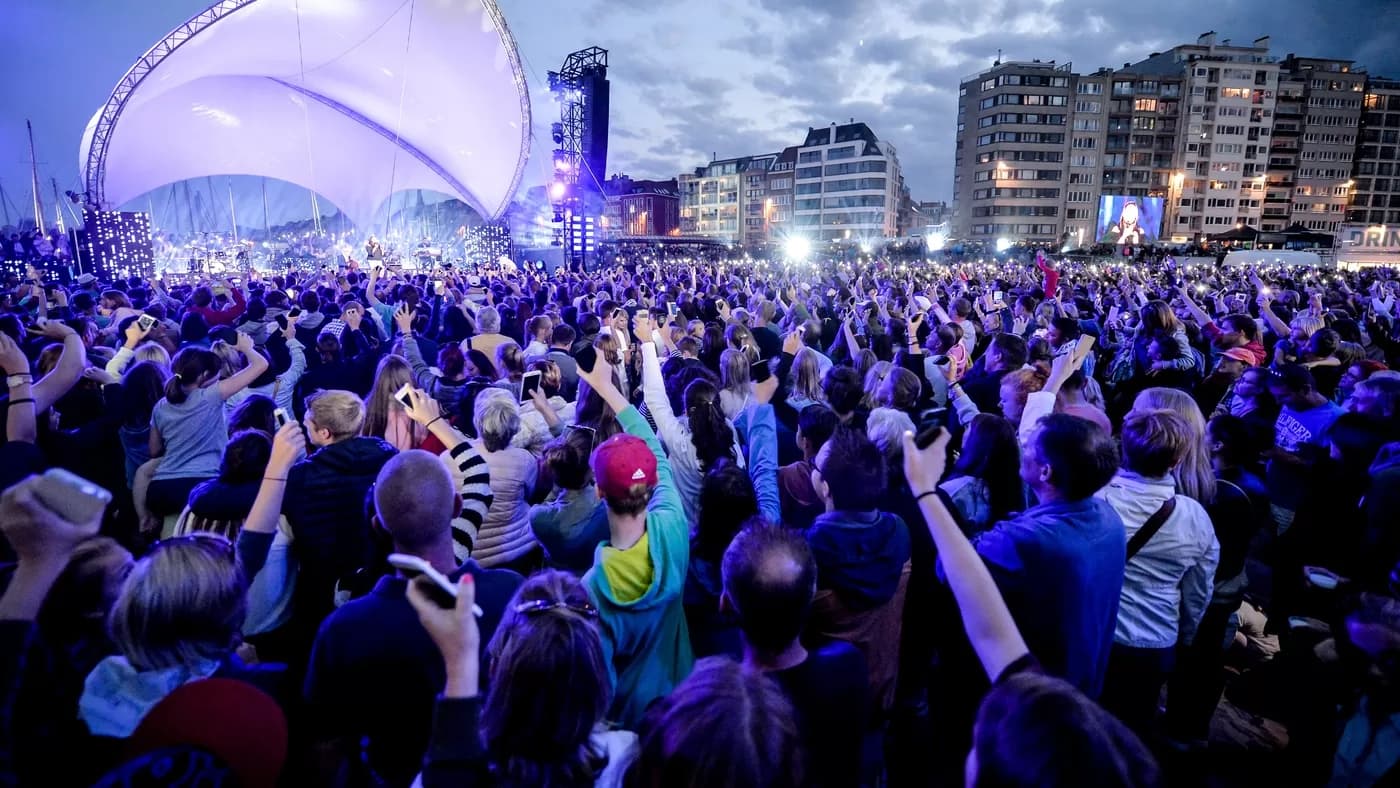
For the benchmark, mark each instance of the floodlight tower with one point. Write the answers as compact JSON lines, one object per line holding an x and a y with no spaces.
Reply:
{"x":581,"y":152}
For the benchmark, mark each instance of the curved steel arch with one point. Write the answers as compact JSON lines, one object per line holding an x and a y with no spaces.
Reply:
{"x":134,"y":76}
{"x":96,"y":166}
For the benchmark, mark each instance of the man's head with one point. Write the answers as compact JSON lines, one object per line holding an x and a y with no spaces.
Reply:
{"x":1236,"y":330}
{"x":1069,"y":459}
{"x":1252,"y":384}
{"x":815,"y":424}
{"x":1006,"y":352}
{"x":415,"y":501}
{"x":849,"y":473}
{"x":333,"y":416}
{"x":1154,"y":441}
{"x":624,"y":470}
{"x":769,"y":579}
{"x":1234,"y":362}
{"x":1291,"y":385}
{"x":844,"y":390}
{"x":562,"y":336}
{"x":1062,"y":330}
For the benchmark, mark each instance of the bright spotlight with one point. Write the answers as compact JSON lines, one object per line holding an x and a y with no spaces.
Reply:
{"x":1003,"y":244}
{"x":797,"y":247}
{"x":937,"y":241}
{"x":556,"y":190}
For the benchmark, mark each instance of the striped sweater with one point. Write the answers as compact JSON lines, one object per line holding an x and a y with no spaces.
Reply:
{"x":473,"y":479}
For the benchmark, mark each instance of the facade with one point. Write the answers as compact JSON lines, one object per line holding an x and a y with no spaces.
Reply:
{"x":1222,"y":134}
{"x":710,"y":200}
{"x":1011,"y":164}
{"x":1375,"y":192}
{"x":640,"y":208}
{"x":846,"y":185}
{"x":777,"y":207}
{"x":1327,"y":96}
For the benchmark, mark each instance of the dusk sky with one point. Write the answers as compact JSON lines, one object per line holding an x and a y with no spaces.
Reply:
{"x":731,"y":77}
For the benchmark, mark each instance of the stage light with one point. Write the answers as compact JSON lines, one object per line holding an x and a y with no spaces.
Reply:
{"x":557,"y":190}
{"x":797,"y":247}
{"x":937,"y":241}
{"x":1003,"y":244}
{"x":556,"y":132}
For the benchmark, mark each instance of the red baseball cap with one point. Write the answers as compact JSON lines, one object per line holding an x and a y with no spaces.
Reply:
{"x":1240,"y":354}
{"x":623,"y":462}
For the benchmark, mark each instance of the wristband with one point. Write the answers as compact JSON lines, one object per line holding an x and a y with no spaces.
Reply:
{"x":21,"y":401}
{"x":21,"y":379}
{"x":430,"y":424}
{"x":924,"y":495}
{"x":274,"y":478}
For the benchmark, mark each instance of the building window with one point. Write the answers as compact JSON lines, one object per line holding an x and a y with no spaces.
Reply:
{"x":1090,"y":88}
{"x":809,"y":157}
{"x":848,"y":152}
{"x":1145,"y":104}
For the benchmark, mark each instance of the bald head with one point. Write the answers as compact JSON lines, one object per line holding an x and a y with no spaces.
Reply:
{"x":415,"y":501}
{"x":769,"y":578}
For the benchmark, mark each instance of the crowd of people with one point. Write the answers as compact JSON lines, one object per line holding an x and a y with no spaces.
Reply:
{"x":835,"y":523}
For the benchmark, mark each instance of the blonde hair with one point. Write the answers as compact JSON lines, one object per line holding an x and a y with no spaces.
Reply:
{"x":1195,"y":475}
{"x":734,"y":371}
{"x":496,"y":417}
{"x":230,"y":359}
{"x":808,"y":371}
{"x":392,"y":374}
{"x":1308,"y":324}
{"x":153,"y":352}
{"x":182,"y":603}
{"x":340,"y":413}
{"x":873,"y":379}
{"x":609,"y":348}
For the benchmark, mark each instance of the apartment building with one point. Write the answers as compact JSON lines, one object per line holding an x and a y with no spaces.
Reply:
{"x":711,"y":200}
{"x":777,"y":205}
{"x":1375,"y":192}
{"x":1314,"y":138}
{"x":639,"y":208}
{"x":1010,"y":167}
{"x":1088,"y":155}
{"x":846,"y":185}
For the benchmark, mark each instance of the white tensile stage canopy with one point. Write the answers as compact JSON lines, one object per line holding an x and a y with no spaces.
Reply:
{"x":354,"y":100}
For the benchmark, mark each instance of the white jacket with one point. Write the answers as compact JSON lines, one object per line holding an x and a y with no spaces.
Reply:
{"x":1168,"y":584}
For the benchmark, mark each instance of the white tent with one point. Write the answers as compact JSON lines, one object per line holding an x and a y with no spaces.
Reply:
{"x":352,"y":99}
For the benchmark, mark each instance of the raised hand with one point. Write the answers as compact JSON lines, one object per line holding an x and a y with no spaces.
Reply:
{"x":12,"y":357}
{"x":37,"y":533}
{"x":924,"y":468}
{"x":422,"y":408}
{"x":288,"y":446}
{"x":403,"y":318}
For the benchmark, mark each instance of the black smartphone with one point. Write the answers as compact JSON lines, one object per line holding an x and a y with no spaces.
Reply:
{"x":926,"y":438}
{"x":294,"y":312}
{"x":528,"y":384}
{"x":587,"y":358}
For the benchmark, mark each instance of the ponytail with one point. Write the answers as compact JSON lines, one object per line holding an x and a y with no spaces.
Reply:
{"x":187,"y":369}
{"x":709,"y":431}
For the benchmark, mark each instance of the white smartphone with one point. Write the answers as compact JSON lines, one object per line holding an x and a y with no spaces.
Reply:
{"x":280,"y":418}
{"x":440,"y":287}
{"x":70,"y":496}
{"x":402,"y":395}
{"x":444,"y":591}
{"x":146,"y":322}
{"x":528,"y":384}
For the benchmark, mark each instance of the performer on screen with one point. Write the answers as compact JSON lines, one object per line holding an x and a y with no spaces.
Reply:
{"x":373,"y":249}
{"x":1126,"y":230}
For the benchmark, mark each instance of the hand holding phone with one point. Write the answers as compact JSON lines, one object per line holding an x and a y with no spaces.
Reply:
{"x":530,"y":383}
{"x":438,"y":588}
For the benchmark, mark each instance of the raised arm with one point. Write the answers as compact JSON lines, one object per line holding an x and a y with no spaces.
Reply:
{"x":66,"y":373}
{"x":20,"y":423}
{"x":673,"y":435}
{"x":255,"y":538}
{"x":763,"y":449}
{"x":257,"y":364}
{"x":1266,"y":311}
{"x":990,"y":627}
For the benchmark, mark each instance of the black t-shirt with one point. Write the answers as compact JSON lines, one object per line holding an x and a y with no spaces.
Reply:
{"x":770,"y":345}
{"x":831,"y":693}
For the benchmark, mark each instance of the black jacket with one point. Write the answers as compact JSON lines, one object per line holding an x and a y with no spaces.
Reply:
{"x":325,"y":505}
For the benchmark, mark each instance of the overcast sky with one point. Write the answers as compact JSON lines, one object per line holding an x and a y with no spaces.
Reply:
{"x":732,"y":77}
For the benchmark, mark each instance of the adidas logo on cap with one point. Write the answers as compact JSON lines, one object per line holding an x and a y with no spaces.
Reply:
{"x":639,"y":475}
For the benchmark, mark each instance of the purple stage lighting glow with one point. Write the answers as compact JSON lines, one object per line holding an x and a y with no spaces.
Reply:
{"x":557,"y":190}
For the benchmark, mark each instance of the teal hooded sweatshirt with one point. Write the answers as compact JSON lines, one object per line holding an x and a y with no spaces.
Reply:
{"x":645,"y":641}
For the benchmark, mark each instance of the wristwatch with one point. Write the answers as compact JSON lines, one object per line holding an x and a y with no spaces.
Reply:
{"x":12,"y":381}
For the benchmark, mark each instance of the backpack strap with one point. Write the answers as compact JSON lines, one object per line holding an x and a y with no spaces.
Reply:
{"x":1150,"y":528}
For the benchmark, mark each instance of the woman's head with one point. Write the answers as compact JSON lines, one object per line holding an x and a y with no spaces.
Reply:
{"x":452,"y":362}
{"x":724,"y":725}
{"x":231,"y":359}
{"x":1157,"y":317}
{"x":807,"y":371}
{"x":738,"y":337}
{"x":333,"y":416}
{"x":550,"y":685}
{"x":114,"y":299}
{"x":734,"y":370}
{"x":874,"y":378}
{"x":1195,"y":475}
{"x":1035,"y":730}
{"x":510,"y":361}
{"x":479,"y":365}
{"x":182,"y":603}
{"x":567,"y":457}
{"x":900,"y":390}
{"x":727,"y":501}
{"x":328,"y":347}
{"x":709,"y":432}
{"x":1016,"y":387}
{"x":392,"y":374}
{"x":609,"y":350}
{"x":153,"y":352}
{"x":992,"y":453}
{"x":255,"y":412}
{"x":144,"y":386}
{"x":497,"y":418}
{"x":192,"y":368}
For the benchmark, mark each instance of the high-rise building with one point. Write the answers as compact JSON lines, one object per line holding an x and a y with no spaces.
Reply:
{"x":777,"y":205}
{"x":640,"y":208}
{"x":1010,"y":168}
{"x":846,"y":185}
{"x":1329,"y":95}
{"x":1375,"y":194}
{"x":710,"y":200}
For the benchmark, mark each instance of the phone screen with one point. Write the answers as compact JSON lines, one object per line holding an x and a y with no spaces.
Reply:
{"x":587,"y":358}
{"x":146,"y":322}
{"x":402,"y":395}
{"x":997,"y":296}
{"x":280,"y":417}
{"x":294,"y":312}
{"x":529,"y":384}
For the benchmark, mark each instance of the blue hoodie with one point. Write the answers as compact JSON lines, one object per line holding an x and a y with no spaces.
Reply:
{"x":860,"y":555}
